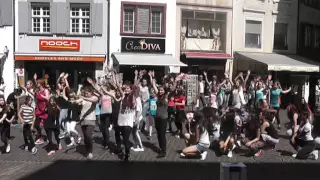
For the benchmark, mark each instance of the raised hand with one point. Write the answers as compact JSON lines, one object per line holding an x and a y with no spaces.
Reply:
{"x":241,"y":74}
{"x":249,"y":72}
{"x":90,"y":81}
{"x":136,"y":72}
{"x":204,"y":73}
{"x":61,"y":75}
{"x":35,"y":76}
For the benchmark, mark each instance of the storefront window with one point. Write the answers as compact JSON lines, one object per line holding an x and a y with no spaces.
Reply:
{"x":203,"y":31}
{"x":280,"y":36}
{"x":253,"y":34}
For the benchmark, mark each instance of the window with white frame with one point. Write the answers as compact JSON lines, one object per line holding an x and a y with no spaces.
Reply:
{"x":80,"y":19}
{"x":280,"y":36}
{"x":253,"y":34}
{"x":142,"y":19}
{"x":40,"y":15}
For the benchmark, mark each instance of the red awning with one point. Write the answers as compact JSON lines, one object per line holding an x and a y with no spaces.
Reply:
{"x":207,"y":55}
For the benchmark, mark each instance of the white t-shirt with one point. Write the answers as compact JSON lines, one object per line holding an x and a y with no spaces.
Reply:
{"x":204,"y":139}
{"x":139,"y":108}
{"x":306,"y":129}
{"x":144,"y":92}
{"x":201,"y":87}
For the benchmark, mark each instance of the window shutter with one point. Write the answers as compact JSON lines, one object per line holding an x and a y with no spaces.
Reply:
{"x":6,"y":13}
{"x":60,"y":18}
{"x":143,"y":20}
{"x":96,"y":19}
{"x":24,"y":17}
{"x":253,"y":27}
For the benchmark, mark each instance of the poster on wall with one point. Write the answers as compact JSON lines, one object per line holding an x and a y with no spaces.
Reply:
{"x":191,"y":84}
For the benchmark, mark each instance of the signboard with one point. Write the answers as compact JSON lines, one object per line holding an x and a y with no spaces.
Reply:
{"x":59,"y":58}
{"x":191,"y":84}
{"x":59,"y":45}
{"x":143,"y":45}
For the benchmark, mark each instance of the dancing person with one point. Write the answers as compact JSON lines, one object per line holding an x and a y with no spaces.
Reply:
{"x":62,"y":82}
{"x":138,"y":147}
{"x":51,"y":126}
{"x":302,"y":140}
{"x":202,"y":139}
{"x":4,"y":126}
{"x":126,"y":119}
{"x":42,"y":97}
{"x":274,"y":100}
{"x":27,"y":117}
{"x":180,"y":104}
{"x":269,"y":134}
{"x":252,"y":135}
{"x":87,"y":117}
{"x":105,"y":112}
{"x":201,"y":88}
{"x":161,"y":115}
{"x":227,"y":138}
{"x":237,"y":94}
{"x":73,"y":118}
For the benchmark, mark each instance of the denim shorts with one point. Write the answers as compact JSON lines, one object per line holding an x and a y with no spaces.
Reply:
{"x":201,"y":148}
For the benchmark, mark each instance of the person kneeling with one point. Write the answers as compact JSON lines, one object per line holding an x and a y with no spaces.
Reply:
{"x":202,"y":139}
{"x":303,"y":141}
{"x":269,"y":134}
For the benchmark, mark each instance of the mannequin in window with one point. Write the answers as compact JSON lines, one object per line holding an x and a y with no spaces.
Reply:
{"x":216,"y":43}
{"x":183,"y":34}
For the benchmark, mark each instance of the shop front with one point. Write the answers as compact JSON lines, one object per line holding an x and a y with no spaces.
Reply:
{"x":291,"y":70}
{"x":54,"y":56}
{"x":144,"y":54}
{"x":205,"y":39}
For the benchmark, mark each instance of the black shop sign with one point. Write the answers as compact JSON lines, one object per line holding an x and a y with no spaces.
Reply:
{"x":143,"y":45}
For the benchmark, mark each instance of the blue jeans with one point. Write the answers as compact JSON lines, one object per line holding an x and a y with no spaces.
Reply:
{"x":62,"y":119}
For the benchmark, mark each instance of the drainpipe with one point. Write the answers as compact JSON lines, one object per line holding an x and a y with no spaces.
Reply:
{"x":14,"y":42}
{"x":298,"y":29}
{"x":108,"y":34}
{"x":232,"y":54}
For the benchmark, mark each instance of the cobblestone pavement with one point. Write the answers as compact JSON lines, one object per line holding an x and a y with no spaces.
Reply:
{"x":20,"y":164}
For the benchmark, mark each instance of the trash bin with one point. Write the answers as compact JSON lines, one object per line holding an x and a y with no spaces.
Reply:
{"x":233,"y":171}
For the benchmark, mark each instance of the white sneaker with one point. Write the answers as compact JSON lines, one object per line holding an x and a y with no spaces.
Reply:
{"x":230,"y":154}
{"x":294,"y":155}
{"x":141,"y":149}
{"x":79,"y":140}
{"x":204,"y":155}
{"x":316,"y":154}
{"x":239,"y":143}
{"x":90,"y":156}
{"x":233,"y":147}
{"x":34,"y":150}
{"x":8,"y":148}
{"x":182,"y":155}
{"x":26,"y":148}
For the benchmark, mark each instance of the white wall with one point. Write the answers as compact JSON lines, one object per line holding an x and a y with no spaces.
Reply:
{"x":6,"y":36}
{"x":268,"y":12}
{"x":115,"y":20}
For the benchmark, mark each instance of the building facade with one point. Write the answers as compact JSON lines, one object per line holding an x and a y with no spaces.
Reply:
{"x":6,"y":45}
{"x":54,"y":36}
{"x":262,"y":26}
{"x":204,"y":30}
{"x":142,"y":35}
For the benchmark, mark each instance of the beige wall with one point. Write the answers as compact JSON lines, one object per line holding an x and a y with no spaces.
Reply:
{"x":268,"y":12}
{"x":223,"y":3}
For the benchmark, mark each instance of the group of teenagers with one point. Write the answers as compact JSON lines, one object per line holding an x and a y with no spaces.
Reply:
{"x":237,"y":114}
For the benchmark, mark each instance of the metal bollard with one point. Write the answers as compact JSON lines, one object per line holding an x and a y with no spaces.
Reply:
{"x":233,"y":171}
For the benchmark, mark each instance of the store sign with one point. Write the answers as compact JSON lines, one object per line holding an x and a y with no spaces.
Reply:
{"x":59,"y":45}
{"x":59,"y":58}
{"x":143,"y":45}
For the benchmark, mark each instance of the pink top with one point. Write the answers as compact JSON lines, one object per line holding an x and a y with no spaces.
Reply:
{"x":41,"y":107}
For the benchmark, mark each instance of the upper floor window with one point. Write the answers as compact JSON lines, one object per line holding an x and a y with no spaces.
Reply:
{"x":316,"y":37}
{"x":80,"y":19}
{"x":253,"y":34}
{"x":40,"y":16}
{"x":143,"y":19}
{"x":280,"y":36}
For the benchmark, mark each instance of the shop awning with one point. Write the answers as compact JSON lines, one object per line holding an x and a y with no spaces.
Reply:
{"x":203,"y":55}
{"x":279,"y":62}
{"x":60,"y":57}
{"x":141,"y":59}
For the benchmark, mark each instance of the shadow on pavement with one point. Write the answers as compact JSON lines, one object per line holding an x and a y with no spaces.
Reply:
{"x":92,"y":170}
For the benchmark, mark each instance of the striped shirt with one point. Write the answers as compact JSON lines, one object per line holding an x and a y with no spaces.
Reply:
{"x":27,"y":114}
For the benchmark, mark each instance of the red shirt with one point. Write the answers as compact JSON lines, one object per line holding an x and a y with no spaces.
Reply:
{"x":179,"y":100}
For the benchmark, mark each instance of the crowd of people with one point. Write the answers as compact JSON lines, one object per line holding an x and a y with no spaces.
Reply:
{"x":229,"y":114}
